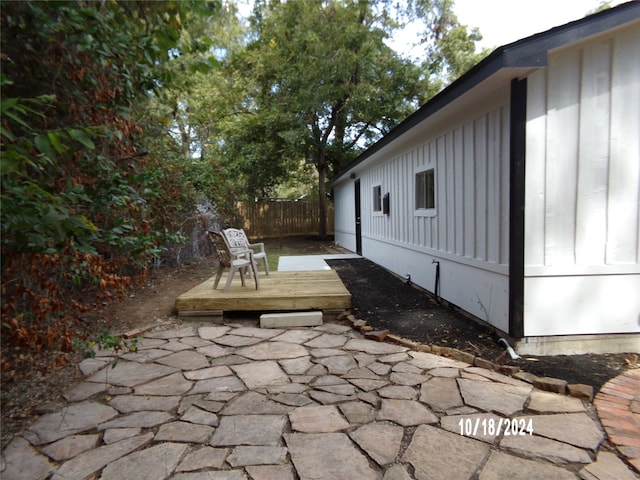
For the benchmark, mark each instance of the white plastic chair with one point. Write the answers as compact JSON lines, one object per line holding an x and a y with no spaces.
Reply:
{"x":237,"y":261}
{"x":236,"y":238}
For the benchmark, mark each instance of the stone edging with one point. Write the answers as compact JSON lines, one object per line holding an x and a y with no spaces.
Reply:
{"x":550,"y":384}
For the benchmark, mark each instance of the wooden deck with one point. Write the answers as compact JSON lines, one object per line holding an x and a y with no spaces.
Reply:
{"x":279,"y":292}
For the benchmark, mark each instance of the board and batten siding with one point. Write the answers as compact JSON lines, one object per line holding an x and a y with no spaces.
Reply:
{"x":582,"y":227}
{"x":468,"y":233}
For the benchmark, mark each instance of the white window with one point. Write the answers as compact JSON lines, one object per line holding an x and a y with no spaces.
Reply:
{"x":426,"y":191}
{"x":377,"y":198}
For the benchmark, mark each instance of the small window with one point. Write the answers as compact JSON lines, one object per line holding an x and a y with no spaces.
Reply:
{"x":377,"y":198}
{"x":425,"y":190}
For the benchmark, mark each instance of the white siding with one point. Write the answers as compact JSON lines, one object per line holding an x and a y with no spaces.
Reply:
{"x":623,"y":231}
{"x":583,"y":188}
{"x":583,"y":159}
{"x":582,"y":198}
{"x":472,"y":190}
{"x":469,"y":233}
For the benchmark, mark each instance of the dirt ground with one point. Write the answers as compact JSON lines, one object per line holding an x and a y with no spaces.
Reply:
{"x":382,"y":299}
{"x":387,"y":302}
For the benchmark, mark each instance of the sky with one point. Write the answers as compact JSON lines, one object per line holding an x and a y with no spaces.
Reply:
{"x":499,"y":21}
{"x":503,"y":21}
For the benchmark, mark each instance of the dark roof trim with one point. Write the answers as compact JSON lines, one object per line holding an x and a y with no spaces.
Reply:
{"x":528,"y":52}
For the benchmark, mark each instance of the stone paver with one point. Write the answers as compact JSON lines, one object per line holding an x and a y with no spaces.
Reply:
{"x":254,"y":403}
{"x":261,"y":374}
{"x":157,"y":462}
{"x":131,"y":373}
{"x":317,"y":419}
{"x":201,"y":458}
{"x":185,"y":360}
{"x":380,"y":441}
{"x":257,"y":455}
{"x":71,"y":446}
{"x":71,"y":419}
{"x":228,"y":383}
{"x":576,"y":429}
{"x":547,"y":402}
{"x":236,"y":402}
{"x":406,"y":412}
{"x":327,"y":456}
{"x":500,"y":398}
{"x":249,"y":430}
{"x":22,"y":461}
{"x":144,"y":419}
{"x":113,"y":435}
{"x":501,"y":466}
{"x":441,"y":394}
{"x":435,"y":453}
{"x":83,"y":391}
{"x":533,"y":446}
{"x":273,"y":351}
{"x":271,"y":472}
{"x":183,"y":432}
{"x":174,"y":384}
{"x":138,"y":403}
{"x":607,"y":467}
{"x":92,"y":461}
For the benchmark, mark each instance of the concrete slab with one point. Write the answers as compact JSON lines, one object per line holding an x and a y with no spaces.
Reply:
{"x":291,"y":319}
{"x":294,"y":263}
{"x":302,"y":263}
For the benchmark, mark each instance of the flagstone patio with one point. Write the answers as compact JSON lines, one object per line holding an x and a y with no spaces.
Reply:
{"x":239,"y":402}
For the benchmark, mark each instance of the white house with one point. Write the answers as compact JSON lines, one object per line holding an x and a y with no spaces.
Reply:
{"x":520,"y":183}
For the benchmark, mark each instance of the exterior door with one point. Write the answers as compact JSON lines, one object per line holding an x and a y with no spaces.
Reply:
{"x":358,"y":219}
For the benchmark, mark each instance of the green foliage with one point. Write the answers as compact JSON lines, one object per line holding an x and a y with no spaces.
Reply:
{"x":189,"y":115}
{"x":326,"y":85}
{"x":119,"y":117}
{"x":449,"y":47}
{"x":36,"y":217}
{"x":83,"y":208}
{"x":106,"y":340}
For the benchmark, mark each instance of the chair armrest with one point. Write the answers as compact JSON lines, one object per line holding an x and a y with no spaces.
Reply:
{"x":259,"y":245}
{"x":241,"y":253}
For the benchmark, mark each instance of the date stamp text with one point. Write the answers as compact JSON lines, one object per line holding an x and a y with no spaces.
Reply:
{"x":490,"y":426}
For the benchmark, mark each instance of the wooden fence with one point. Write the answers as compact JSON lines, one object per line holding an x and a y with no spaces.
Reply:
{"x":283,"y":218}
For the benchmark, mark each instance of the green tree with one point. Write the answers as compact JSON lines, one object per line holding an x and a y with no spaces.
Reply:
{"x":188,"y":115}
{"x":327,"y":85}
{"x":78,"y":193}
{"x":449,"y":47}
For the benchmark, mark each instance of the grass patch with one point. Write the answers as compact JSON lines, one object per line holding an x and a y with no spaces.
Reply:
{"x":273,"y":256}
{"x":291,"y":246}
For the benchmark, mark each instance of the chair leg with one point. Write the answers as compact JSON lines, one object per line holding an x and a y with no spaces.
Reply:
{"x":266,"y":266}
{"x":254,"y":267}
{"x":218,"y":276}
{"x":232,"y":272}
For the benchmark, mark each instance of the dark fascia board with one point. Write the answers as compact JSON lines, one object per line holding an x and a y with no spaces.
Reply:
{"x":528,"y":52}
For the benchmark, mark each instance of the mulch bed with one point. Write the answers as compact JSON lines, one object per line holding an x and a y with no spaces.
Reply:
{"x":387,"y":302}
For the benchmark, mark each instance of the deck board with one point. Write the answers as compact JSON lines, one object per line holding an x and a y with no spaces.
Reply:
{"x":280,"y":291}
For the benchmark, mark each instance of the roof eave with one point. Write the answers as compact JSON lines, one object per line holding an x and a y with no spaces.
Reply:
{"x":531,"y":52}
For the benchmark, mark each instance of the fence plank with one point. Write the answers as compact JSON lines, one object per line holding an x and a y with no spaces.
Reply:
{"x":283,"y":218}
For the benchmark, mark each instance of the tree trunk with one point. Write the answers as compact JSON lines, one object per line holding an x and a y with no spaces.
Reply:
{"x":322,"y":193}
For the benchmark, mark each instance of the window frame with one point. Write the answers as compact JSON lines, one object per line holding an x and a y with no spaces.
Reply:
{"x":425,"y":204}
{"x":376,"y":199}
